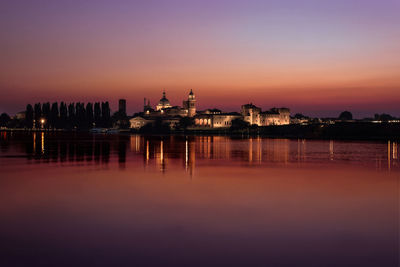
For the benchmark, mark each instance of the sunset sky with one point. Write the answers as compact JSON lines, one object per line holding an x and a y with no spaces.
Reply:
{"x":317,"y":57}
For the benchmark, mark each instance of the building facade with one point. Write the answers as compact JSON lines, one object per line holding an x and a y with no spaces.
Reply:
{"x":255,"y":116}
{"x":219,"y":120}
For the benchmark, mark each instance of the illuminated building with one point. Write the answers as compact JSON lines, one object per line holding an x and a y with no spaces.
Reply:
{"x":221,"y":120}
{"x":274,"y":116}
{"x":163,"y":103}
{"x":169,"y":114}
{"x":190,"y":104}
{"x":210,"y":118}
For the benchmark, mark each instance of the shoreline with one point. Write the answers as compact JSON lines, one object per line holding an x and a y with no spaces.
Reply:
{"x":338,"y":131}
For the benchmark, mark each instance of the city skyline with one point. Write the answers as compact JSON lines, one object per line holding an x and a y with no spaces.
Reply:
{"x":317,"y":58}
{"x":154,"y":103}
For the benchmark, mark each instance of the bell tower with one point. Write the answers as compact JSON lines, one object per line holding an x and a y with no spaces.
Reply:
{"x":191,"y":104}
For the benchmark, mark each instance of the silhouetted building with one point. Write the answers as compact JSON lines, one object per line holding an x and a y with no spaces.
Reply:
{"x":122,"y":106}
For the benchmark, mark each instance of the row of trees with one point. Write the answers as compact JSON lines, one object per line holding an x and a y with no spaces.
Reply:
{"x":63,"y":116}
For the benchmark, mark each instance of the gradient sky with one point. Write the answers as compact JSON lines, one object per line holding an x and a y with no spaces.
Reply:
{"x":317,"y":57}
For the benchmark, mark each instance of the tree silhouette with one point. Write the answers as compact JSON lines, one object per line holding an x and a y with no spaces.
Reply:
{"x":89,"y":115}
{"x":4,"y":119}
{"x":239,"y":124}
{"x":38,"y":114}
{"x":80,"y":116}
{"x":71,"y":116}
{"x":299,"y":116}
{"x":346,"y":116}
{"x":63,"y":116}
{"x":54,"y":116}
{"x":97,"y":114}
{"x":29,"y":116}
{"x":46,"y":113}
{"x":105,"y":114}
{"x":185,"y":122}
{"x":383,"y":117}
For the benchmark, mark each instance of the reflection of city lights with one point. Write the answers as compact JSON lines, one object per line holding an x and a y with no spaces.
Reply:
{"x":162,"y":151}
{"x":250,"y":149}
{"x":209,"y":147}
{"x":162,"y":162}
{"x":331,"y":150}
{"x":301,"y":149}
{"x":298,"y":149}
{"x":286,"y":150}
{"x":389,"y":155}
{"x":147,"y":151}
{"x":135,"y":143}
{"x":34,"y":142}
{"x":42,"y":121}
{"x":42,"y":142}
{"x":186,"y":153}
{"x":211,"y":150}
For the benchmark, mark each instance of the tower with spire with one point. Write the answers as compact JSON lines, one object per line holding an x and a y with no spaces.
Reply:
{"x":190,"y":104}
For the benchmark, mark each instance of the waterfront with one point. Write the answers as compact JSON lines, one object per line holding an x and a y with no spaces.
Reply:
{"x":82,"y":199}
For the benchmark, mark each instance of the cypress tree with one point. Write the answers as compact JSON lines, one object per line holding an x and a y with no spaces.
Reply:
{"x":97,"y":114}
{"x":63,"y":115}
{"x":29,"y":116}
{"x":46,"y":113}
{"x":80,"y":116}
{"x":71,"y":115}
{"x":89,"y":114}
{"x":106,"y":114}
{"x":54,"y":115}
{"x":38,"y":114}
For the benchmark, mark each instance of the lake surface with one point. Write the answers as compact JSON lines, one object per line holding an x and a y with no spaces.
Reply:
{"x":119,"y":200}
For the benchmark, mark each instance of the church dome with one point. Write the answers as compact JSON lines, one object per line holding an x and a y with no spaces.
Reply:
{"x":164,"y":100}
{"x":163,"y":103}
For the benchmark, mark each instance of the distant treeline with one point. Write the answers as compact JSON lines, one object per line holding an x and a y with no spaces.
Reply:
{"x":66,"y":116}
{"x":339,"y":130}
{"x":71,"y":116}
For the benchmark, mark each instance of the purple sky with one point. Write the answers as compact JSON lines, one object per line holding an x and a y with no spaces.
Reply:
{"x":315,"y":57}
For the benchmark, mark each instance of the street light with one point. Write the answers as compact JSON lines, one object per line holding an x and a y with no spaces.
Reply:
{"x":42,"y":121}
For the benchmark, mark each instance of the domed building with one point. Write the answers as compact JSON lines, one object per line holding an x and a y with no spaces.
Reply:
{"x":210,"y":118}
{"x":163,"y":103}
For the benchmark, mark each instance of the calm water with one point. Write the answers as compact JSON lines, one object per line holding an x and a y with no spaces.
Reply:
{"x":104,"y":200}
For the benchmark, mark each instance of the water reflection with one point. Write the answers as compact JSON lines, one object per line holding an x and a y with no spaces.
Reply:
{"x":163,"y":151}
